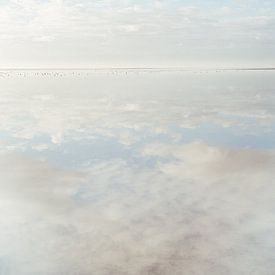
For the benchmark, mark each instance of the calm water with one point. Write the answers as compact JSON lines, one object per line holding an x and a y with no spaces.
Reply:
{"x":116,"y":172}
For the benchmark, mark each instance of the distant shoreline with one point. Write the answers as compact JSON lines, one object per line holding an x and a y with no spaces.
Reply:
{"x":142,"y":69}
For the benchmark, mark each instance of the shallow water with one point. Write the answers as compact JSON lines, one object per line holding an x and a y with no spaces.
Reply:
{"x":137,"y":172}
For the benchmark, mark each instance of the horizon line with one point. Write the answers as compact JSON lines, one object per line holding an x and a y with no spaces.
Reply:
{"x":139,"y":68}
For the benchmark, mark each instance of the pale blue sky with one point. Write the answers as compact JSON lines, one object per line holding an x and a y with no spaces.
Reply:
{"x":136,"y":33}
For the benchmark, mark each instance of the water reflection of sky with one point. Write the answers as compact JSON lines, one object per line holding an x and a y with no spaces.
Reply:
{"x":90,"y":115}
{"x":107,"y":165}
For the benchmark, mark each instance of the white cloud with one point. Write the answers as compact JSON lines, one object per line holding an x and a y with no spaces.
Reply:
{"x":127,"y":32}
{"x":45,"y":38}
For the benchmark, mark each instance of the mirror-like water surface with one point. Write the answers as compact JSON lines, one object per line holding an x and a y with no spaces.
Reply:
{"x":137,"y":172}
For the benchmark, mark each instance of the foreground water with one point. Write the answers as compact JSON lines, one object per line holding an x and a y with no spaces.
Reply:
{"x":137,"y":172}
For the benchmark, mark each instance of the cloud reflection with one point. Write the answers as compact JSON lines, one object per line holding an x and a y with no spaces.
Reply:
{"x":210,"y":208}
{"x":142,"y":199}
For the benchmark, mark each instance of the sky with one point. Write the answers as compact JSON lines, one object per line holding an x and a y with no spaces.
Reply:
{"x":131,"y":33}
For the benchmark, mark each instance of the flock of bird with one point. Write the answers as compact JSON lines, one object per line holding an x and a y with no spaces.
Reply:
{"x":25,"y":73}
